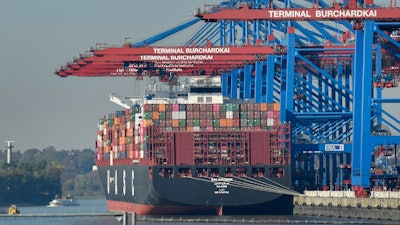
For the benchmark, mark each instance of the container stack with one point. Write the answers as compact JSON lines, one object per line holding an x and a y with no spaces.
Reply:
{"x":127,"y":134}
{"x":212,"y":117}
{"x":116,"y":135}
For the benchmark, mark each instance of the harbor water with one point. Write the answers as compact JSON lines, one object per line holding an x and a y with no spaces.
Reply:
{"x":81,"y":215}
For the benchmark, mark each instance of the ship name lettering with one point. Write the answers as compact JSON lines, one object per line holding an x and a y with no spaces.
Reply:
{"x":225,"y":179}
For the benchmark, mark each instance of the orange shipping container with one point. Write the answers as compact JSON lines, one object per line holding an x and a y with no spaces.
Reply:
{"x":161,"y":107}
{"x":129,"y":132}
{"x":175,"y":123}
{"x":263,"y":107}
{"x":229,"y":122}
{"x":156,"y":115}
{"x":276,"y":106}
{"x":107,"y":149}
{"x":148,"y":122}
{"x":122,"y":140}
{"x":131,"y":154}
{"x":190,"y":129}
{"x":222,"y":122}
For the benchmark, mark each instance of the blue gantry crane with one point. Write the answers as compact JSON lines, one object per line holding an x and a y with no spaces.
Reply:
{"x":322,"y":65}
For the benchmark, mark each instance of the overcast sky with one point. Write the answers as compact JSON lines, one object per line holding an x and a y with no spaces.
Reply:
{"x":39,"y":109}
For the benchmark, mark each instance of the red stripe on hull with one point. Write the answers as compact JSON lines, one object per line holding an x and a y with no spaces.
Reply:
{"x":154,"y":210}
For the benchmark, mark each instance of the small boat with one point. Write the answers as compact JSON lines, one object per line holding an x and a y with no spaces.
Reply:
{"x":63,"y":201}
{"x":13,"y":210}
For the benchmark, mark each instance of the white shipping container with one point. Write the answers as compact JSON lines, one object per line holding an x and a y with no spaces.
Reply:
{"x":182,"y":115}
{"x":128,"y":125}
{"x":115,"y":155}
{"x":196,"y":128}
{"x":179,"y":115}
{"x":270,"y":122}
{"x":141,"y":154}
{"x":175,"y":115}
{"x":229,"y":114}
{"x":137,"y":139}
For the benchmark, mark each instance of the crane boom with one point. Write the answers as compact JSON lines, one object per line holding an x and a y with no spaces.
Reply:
{"x":132,"y":61}
{"x":299,"y":14}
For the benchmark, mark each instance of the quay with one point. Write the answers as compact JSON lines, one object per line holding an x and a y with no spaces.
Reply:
{"x":380,"y":205}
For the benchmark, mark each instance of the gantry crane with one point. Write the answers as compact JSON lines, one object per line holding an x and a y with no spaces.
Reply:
{"x":321,"y":74}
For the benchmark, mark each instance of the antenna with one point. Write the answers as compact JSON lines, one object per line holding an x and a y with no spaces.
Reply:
{"x":9,"y":150}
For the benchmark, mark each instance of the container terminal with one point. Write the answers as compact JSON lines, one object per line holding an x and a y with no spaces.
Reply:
{"x":331,"y":67}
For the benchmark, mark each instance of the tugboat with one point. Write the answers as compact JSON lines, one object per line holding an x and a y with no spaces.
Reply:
{"x":13,"y":210}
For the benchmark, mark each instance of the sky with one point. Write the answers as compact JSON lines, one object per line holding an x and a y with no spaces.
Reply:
{"x":39,"y":109}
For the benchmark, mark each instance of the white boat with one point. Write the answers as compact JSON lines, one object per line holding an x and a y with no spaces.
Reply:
{"x":63,"y":201}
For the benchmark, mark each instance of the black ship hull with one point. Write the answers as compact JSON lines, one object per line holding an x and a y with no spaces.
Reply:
{"x":188,"y":190}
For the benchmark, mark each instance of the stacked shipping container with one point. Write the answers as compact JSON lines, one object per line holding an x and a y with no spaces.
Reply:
{"x":201,"y":134}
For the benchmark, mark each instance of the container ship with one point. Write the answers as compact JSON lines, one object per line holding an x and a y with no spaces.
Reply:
{"x":188,"y":150}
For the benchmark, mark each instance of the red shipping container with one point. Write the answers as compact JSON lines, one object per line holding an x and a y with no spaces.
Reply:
{"x":183,"y":145}
{"x":258,"y":146}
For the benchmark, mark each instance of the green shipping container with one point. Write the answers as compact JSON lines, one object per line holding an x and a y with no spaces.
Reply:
{"x":216,"y":123}
{"x":196,"y":123}
{"x":182,"y":123}
{"x":148,"y":115}
{"x":222,"y":107}
{"x":161,"y":115}
{"x":110,"y":123}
